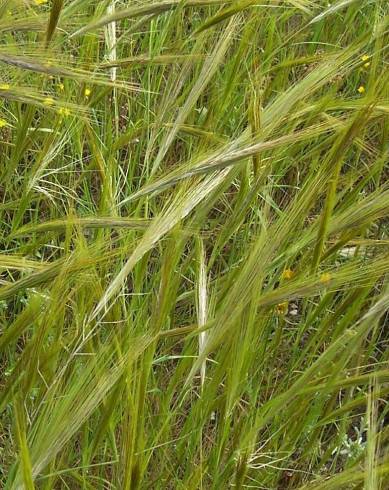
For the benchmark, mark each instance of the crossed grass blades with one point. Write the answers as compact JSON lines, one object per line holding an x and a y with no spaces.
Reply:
{"x":194,"y":247}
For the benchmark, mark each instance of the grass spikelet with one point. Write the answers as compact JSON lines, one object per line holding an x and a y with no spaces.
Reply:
{"x":194,"y":251}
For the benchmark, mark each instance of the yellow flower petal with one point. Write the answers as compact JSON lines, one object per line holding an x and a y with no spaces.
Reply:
{"x":282,"y":308}
{"x":4,"y":86}
{"x":325,"y":278}
{"x":64,"y":111}
{"x":87,"y":92}
{"x":3,"y":123}
{"x":287,"y":274}
{"x":365,"y":57}
{"x":366,"y":65}
{"x":361,"y":89}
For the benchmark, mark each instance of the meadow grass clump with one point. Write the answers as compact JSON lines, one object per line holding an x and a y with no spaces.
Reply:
{"x":194,"y":245}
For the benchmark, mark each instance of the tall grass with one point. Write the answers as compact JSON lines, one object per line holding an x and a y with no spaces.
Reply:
{"x":194,"y":245}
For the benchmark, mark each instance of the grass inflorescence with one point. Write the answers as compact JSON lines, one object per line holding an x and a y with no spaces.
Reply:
{"x":194,"y":245}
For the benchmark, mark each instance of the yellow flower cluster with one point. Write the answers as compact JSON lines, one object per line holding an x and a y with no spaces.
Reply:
{"x":287,"y":274}
{"x":365,"y":58}
{"x":325,"y":278}
{"x":282,"y":308}
{"x":64,"y":111}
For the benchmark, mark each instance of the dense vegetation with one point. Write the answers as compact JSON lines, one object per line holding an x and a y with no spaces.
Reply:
{"x":194,"y":248}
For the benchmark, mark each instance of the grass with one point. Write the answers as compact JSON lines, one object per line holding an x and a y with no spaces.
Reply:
{"x":194,"y":245}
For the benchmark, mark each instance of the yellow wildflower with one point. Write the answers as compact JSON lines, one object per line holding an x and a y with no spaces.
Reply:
{"x":4,"y":86}
{"x":64,"y":111}
{"x":366,"y":65}
{"x":40,"y":2}
{"x":87,"y":92}
{"x":3,"y":123}
{"x":325,"y":278}
{"x":287,"y":274}
{"x":48,"y":101}
{"x":361,"y":89}
{"x":365,"y":57}
{"x":282,"y":308}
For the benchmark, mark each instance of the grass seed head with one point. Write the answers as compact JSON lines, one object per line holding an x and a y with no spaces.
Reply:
{"x":48,"y":101}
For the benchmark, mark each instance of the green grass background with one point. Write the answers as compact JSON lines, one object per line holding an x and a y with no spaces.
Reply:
{"x":193,"y":246}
